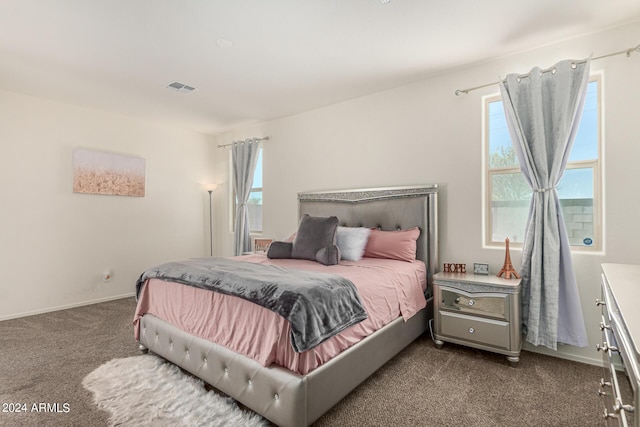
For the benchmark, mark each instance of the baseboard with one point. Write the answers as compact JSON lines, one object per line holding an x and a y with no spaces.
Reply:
{"x":595,"y":361}
{"x":67,"y":306}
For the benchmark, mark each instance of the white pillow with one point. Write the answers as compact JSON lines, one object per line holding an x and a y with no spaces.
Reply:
{"x":352,"y":241}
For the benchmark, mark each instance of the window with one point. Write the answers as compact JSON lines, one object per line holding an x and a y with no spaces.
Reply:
{"x":255,"y":198}
{"x":508,"y":195}
{"x":254,"y":204}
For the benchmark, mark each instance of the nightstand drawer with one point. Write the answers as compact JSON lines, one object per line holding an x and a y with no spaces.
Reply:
{"x":486,"y":331}
{"x":488,"y":305}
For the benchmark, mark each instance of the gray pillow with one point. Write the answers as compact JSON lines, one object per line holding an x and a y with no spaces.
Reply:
{"x":314,"y":233}
{"x":280,"y":250}
{"x":329,"y":255}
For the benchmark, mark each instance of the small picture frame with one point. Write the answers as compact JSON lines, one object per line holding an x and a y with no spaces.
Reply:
{"x":262,"y":245}
{"x":481,"y":268}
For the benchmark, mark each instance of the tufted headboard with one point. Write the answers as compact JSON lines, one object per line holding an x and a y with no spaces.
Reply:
{"x":391,"y":208}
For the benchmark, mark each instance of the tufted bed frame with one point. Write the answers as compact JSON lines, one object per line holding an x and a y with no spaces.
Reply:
{"x":287,"y":398}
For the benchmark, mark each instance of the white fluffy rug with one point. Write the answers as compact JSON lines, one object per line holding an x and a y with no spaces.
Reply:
{"x":146,"y":390}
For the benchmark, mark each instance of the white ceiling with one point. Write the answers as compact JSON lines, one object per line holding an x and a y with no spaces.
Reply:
{"x":288,"y":56}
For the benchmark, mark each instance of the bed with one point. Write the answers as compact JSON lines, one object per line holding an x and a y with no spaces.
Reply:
{"x":282,"y":395}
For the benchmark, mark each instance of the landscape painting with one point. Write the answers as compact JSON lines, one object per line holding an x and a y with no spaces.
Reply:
{"x":97,"y":172}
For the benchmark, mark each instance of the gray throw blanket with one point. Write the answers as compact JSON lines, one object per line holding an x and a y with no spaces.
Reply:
{"x":318,"y":305}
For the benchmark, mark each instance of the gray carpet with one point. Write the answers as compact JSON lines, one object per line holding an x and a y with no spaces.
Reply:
{"x":44,"y":358}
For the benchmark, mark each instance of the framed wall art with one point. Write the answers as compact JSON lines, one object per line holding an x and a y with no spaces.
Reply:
{"x":98,"y":172}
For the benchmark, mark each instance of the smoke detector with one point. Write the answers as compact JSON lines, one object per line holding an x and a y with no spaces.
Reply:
{"x":180,"y":87}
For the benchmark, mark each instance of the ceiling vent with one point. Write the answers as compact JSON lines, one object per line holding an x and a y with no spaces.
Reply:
{"x":182,"y":88}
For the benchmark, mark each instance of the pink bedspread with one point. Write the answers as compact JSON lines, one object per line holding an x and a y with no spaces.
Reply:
{"x":388,"y":289}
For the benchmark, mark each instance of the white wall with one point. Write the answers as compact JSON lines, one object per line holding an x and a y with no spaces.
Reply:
{"x":55,"y":244}
{"x":422,"y":133}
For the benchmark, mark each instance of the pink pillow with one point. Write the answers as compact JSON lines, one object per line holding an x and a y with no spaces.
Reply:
{"x":400,"y":245}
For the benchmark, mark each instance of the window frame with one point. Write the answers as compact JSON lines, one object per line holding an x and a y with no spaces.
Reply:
{"x":596,"y":165}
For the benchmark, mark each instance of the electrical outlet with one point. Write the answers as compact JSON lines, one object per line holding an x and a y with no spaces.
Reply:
{"x":107,"y":276}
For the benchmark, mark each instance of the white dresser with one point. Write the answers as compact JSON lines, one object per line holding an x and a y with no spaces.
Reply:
{"x":620,"y":343}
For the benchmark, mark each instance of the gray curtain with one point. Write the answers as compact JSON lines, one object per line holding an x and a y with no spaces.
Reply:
{"x":244,"y":159}
{"x":543,"y":111}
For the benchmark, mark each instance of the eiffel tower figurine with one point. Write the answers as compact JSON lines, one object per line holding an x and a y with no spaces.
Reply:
{"x":507,"y":268}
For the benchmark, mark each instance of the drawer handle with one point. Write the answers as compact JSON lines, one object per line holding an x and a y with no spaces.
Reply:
{"x":608,"y":415}
{"x":602,"y":393}
{"x":618,"y":406}
{"x":471,"y":302}
{"x":603,"y":326}
{"x":471,"y":330}
{"x":604,"y":383}
{"x":606,"y":347}
{"x":599,"y":302}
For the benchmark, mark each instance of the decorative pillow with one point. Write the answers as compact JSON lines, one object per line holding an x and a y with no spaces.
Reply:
{"x":280,"y":250}
{"x":314,"y":233}
{"x":329,"y":255}
{"x":352,"y":242}
{"x":400,"y":245}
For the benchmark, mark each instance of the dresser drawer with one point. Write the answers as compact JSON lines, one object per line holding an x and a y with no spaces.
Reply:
{"x":477,"y":304}
{"x":608,"y":384}
{"x":485,"y":331}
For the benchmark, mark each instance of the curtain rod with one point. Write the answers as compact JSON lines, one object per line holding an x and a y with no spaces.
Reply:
{"x":266,"y":138}
{"x":629,"y":51}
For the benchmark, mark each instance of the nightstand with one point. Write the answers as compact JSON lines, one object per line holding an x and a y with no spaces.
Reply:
{"x":478,"y":311}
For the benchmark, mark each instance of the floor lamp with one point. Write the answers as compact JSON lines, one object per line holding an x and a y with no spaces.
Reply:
{"x":210,"y":189}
